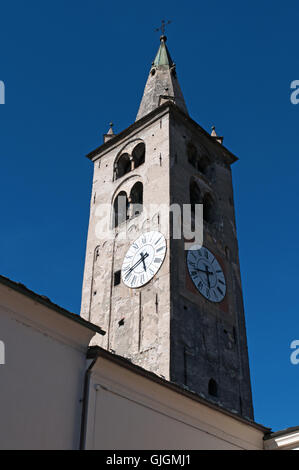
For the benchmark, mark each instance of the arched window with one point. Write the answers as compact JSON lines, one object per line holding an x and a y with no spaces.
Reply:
{"x":120,"y":209}
{"x":192,"y":154}
{"x":202,"y":164}
{"x":122,"y":166}
{"x":136,"y":199}
{"x":195,"y":195}
{"x":213,"y":388}
{"x":138,"y":154}
{"x":208,"y":209}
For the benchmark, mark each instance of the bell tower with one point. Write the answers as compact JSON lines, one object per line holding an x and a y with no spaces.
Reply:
{"x":176,"y":312}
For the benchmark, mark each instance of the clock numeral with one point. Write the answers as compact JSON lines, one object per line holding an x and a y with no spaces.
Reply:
{"x":157,"y":260}
{"x":135,"y":246}
{"x":219,"y":290}
{"x":161,"y":248}
{"x":200,"y":285}
{"x":158,"y":240}
{"x":133,"y":280}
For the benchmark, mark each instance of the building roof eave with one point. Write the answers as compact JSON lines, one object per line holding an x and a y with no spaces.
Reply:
{"x":94,"y":154}
{"x":22,"y":289}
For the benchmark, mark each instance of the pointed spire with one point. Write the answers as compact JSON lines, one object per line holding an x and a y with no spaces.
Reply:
{"x":162,"y":84}
{"x":163,"y":55}
{"x":216,"y":137}
{"x":110,"y":133}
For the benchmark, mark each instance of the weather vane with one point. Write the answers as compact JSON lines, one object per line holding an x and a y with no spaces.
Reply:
{"x":162,"y":27}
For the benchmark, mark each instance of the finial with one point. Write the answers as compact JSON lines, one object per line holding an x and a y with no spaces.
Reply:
{"x":111,"y":128}
{"x":162,"y":29}
{"x":110,"y":133}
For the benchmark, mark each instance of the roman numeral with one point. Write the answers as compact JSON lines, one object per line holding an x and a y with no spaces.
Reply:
{"x":161,"y":248}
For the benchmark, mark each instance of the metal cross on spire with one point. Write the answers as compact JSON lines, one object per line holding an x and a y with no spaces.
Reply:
{"x":162,"y":27}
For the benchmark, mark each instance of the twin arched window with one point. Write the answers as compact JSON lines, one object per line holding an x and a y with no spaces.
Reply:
{"x":196,"y":197}
{"x":200,"y":162}
{"x":125,"y":207}
{"x":127,"y":162}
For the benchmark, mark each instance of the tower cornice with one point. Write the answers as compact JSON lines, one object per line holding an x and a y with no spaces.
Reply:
{"x":163,"y":109}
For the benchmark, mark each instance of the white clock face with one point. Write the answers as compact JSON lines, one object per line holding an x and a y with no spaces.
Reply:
{"x":206,"y":273}
{"x":143,"y":259}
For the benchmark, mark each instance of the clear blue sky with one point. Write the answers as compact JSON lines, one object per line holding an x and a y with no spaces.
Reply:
{"x":71,"y":67}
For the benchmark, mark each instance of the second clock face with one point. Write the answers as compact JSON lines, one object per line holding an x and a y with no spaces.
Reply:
{"x":143,"y":259}
{"x":206,"y":273}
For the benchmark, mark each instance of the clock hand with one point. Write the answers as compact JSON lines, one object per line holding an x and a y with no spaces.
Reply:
{"x":208,"y":279}
{"x":144,"y":266}
{"x":137,"y":264}
{"x":204,"y":271}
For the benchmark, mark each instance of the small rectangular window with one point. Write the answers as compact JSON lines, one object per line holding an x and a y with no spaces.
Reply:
{"x":116,"y":278}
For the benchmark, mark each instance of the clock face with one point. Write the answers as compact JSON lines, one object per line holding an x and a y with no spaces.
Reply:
{"x":206,"y":273}
{"x":143,"y":259}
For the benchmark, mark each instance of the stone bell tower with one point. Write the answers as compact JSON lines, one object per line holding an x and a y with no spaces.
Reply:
{"x":186,"y":323}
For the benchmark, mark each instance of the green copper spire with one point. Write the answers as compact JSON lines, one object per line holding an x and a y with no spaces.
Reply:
{"x":162,"y":83}
{"x":163,"y":56}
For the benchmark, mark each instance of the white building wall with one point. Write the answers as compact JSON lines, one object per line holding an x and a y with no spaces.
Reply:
{"x":128,"y":411}
{"x":41,"y":382}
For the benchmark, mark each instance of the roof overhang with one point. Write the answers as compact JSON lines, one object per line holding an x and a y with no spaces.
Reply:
{"x":167,"y":106}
